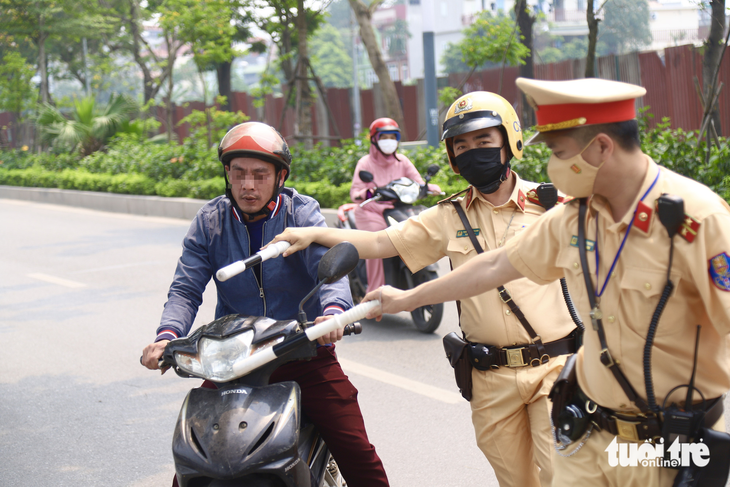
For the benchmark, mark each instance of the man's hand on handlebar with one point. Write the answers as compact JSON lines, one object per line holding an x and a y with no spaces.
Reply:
{"x":331,"y":337}
{"x":152,"y":354}
{"x":434,"y":189}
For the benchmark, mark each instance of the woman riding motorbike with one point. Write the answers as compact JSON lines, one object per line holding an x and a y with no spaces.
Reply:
{"x":385,"y":166}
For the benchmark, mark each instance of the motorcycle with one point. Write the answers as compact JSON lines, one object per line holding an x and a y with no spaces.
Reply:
{"x":403,"y":192}
{"x":247,"y":432}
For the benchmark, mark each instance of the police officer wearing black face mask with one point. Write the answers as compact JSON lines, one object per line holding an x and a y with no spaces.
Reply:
{"x":508,"y":369}
{"x":482,"y":160}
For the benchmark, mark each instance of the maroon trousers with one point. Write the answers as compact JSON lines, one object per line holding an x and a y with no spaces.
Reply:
{"x":330,"y":402}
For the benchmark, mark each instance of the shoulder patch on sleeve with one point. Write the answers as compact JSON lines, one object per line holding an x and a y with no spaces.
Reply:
{"x":689,"y":228}
{"x":720,"y":271}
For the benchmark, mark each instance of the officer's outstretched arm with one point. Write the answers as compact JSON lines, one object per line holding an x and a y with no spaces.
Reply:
{"x":481,"y":274}
{"x":370,"y":245}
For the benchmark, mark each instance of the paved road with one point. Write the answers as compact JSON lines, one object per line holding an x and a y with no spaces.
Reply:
{"x":80,"y":294}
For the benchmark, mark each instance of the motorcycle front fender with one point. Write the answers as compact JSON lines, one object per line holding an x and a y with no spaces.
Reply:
{"x":236,"y":430}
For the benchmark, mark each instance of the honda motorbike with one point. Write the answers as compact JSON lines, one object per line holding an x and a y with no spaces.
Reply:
{"x":246,"y":431}
{"x":403,"y":193}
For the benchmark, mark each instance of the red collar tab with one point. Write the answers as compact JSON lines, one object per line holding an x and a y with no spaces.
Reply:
{"x":689,"y":228}
{"x":642,"y":217}
{"x":469,"y":196}
{"x":592,"y":113}
{"x":521,"y":199}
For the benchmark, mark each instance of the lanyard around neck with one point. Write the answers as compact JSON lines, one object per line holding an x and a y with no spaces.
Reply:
{"x":618,"y":254}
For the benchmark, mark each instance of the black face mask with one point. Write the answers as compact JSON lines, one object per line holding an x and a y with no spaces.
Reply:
{"x":483,"y":168}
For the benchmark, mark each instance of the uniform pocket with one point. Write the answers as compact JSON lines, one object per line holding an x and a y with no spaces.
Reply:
{"x":569,"y":260}
{"x":463,"y":245}
{"x":641,"y":289}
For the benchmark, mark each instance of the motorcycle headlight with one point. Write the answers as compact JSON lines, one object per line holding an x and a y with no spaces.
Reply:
{"x":408,"y":193}
{"x":216,"y":359}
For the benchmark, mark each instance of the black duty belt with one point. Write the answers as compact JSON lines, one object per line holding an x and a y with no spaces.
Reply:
{"x":528,"y":354}
{"x":640,"y":427}
{"x":522,"y":355}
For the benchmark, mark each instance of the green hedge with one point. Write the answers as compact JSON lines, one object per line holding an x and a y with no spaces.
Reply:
{"x":130,"y":165}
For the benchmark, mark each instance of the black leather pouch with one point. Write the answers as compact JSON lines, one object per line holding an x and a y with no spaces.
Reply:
{"x":482,"y":356}
{"x":715,"y":473}
{"x":457,"y":354}
{"x":564,"y":388}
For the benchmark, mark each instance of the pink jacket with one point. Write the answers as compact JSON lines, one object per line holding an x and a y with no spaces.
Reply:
{"x":384,"y":169}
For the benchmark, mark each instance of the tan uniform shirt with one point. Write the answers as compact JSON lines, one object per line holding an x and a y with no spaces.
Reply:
{"x":548,"y":251}
{"x":438,"y":232}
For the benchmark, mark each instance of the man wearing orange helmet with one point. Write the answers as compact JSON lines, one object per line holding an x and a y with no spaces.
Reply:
{"x":385,"y":165}
{"x":517,"y":338}
{"x":255,"y":208}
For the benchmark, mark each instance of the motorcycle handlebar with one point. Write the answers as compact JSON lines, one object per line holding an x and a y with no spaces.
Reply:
{"x":352,"y":329}
{"x":272,"y":251}
{"x":266,"y":355}
{"x":377,"y":197}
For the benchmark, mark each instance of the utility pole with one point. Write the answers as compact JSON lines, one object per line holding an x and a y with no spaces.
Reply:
{"x":429,"y":74}
{"x":355,"y":82}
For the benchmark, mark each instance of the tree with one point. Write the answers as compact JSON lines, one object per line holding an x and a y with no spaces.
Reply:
{"x":206,"y":27}
{"x":303,"y":124}
{"x":364,"y":14}
{"x":490,"y":40}
{"x":289,"y":27}
{"x":625,"y":27}
{"x":90,"y":126}
{"x":330,"y":57}
{"x":575,"y":49}
{"x":592,"y":17}
{"x":38,"y":21}
{"x":714,"y":47}
{"x":240,"y":19}
{"x":156,"y":66}
{"x":17,"y":93}
{"x":525,"y":21}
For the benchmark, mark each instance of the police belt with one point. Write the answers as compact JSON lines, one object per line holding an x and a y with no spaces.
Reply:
{"x":640,"y":427}
{"x":528,"y":354}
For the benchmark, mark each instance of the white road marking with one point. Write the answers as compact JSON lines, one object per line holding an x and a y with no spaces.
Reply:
{"x":57,"y":280}
{"x":395,"y":380}
{"x":120,"y":266}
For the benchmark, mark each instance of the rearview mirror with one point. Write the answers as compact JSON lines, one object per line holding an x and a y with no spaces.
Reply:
{"x":337,"y":262}
{"x":433,"y":169}
{"x":366,"y":176}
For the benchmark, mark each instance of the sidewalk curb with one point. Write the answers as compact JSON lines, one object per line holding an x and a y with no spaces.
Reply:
{"x":181,"y":208}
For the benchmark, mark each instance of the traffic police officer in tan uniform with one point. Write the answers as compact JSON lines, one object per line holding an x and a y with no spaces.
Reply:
{"x":509,"y":397}
{"x":590,"y":126}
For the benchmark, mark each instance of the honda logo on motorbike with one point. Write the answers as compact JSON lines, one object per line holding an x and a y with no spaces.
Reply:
{"x":234,"y":391}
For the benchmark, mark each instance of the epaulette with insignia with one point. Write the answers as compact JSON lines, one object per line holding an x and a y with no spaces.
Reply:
{"x":689,"y":228}
{"x":533,"y":198}
{"x":453,"y":196}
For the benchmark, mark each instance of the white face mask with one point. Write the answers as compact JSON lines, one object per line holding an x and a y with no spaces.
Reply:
{"x":388,"y":146}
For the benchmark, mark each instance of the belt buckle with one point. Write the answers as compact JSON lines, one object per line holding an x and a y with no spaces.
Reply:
{"x":627,"y":430}
{"x":514,"y":357}
{"x":504,"y":293}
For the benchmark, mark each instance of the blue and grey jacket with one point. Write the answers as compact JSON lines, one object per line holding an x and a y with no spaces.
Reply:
{"x":217,"y":237}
